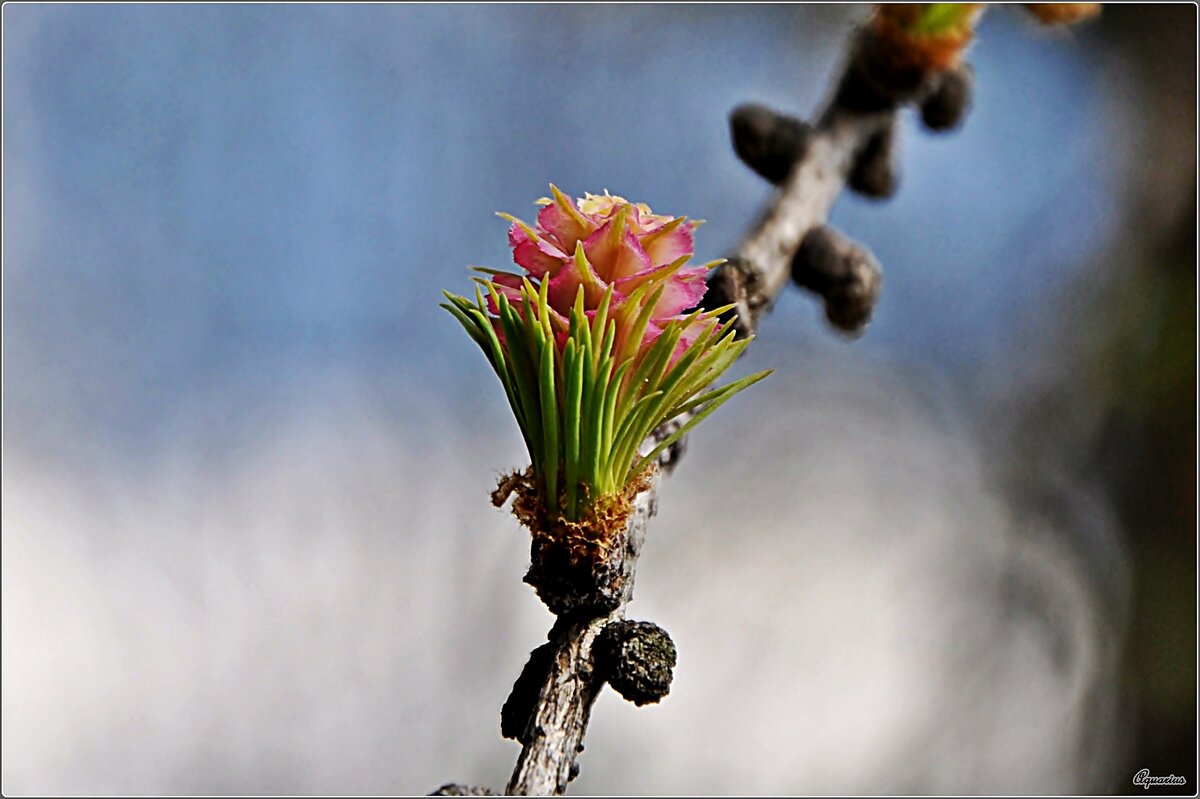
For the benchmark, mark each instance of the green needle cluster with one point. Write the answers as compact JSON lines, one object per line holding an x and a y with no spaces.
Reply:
{"x":585,"y":405}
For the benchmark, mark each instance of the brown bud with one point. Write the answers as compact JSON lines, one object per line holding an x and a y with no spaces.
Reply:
{"x":874,"y":171}
{"x":767,"y":141}
{"x":637,"y":658}
{"x":946,"y":105}
{"x":843,"y":273}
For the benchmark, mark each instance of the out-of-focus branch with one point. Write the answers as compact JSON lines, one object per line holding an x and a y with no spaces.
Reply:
{"x":852,"y":145}
{"x":761,"y":266}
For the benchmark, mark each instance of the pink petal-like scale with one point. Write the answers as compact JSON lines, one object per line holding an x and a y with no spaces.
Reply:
{"x":538,"y":256}
{"x":668,"y":246}
{"x":614,"y":258}
{"x":625,"y":246}
{"x":563,"y":227}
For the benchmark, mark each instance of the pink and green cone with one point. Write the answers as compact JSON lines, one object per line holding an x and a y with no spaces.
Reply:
{"x":596,"y":346}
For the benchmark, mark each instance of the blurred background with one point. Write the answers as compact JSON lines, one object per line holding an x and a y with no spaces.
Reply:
{"x":247,"y":546}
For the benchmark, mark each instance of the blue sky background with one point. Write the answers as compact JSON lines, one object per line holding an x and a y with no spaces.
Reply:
{"x":232,"y":197}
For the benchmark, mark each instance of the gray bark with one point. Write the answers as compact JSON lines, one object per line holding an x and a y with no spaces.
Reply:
{"x":554,"y":736}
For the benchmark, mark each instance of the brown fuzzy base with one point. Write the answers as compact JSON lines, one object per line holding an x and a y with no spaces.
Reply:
{"x":903,"y":50}
{"x":1062,"y":13}
{"x":574,"y":565}
{"x":588,"y":540}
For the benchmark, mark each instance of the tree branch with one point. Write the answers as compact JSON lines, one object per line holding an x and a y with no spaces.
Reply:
{"x":850,"y":145}
{"x":553,"y":736}
{"x":759,"y":269}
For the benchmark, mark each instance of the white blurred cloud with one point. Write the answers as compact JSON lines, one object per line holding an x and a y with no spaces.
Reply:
{"x":857,"y":609}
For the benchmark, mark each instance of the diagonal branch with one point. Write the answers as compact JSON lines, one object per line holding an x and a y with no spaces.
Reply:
{"x":904,"y":54}
{"x":760,"y":267}
{"x":561,"y":681}
{"x":850,"y":146}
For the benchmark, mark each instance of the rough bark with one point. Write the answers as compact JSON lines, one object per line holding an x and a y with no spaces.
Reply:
{"x":553,"y":736}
